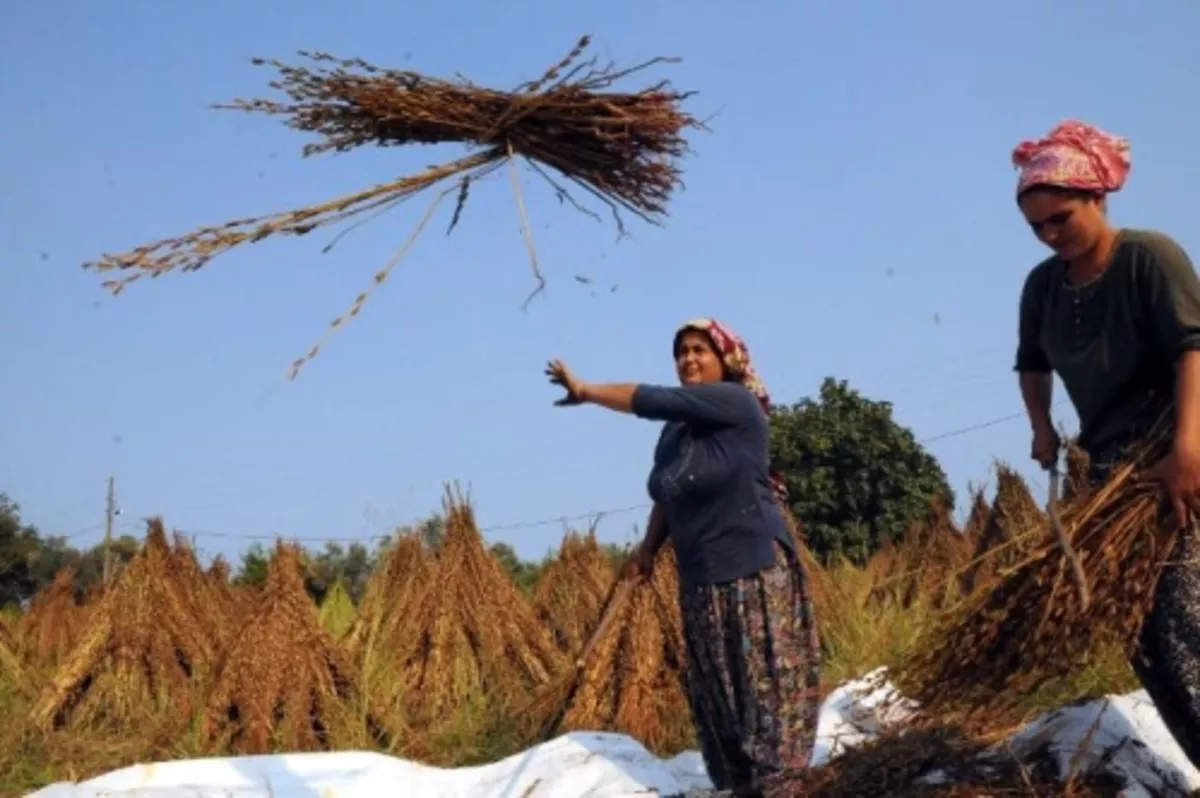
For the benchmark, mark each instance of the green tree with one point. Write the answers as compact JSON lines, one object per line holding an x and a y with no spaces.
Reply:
{"x":350,"y":564}
{"x":524,"y":574}
{"x":855,"y":476}
{"x":19,"y":549}
{"x":253,"y":568}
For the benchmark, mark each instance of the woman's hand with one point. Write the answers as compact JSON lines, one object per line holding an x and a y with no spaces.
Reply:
{"x":641,"y":564}
{"x":1180,"y":475}
{"x":559,"y":374}
{"x":1046,"y":444}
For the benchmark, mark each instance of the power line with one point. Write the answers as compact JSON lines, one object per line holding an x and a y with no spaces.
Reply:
{"x":589,"y":516}
{"x":981,"y":425}
{"x":362,"y":538}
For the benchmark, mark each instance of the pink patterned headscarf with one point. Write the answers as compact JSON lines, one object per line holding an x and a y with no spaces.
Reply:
{"x":735,"y":355}
{"x":1074,"y":155}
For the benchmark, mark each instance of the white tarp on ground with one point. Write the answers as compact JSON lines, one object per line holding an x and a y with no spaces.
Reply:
{"x":1129,"y":736}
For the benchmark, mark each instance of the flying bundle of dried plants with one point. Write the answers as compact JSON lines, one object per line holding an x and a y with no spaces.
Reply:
{"x":622,"y":148}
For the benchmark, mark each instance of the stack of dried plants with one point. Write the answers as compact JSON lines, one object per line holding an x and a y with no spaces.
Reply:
{"x":632,"y":679}
{"x":146,"y":649}
{"x":470,"y":638}
{"x":284,"y":683}
{"x":1004,"y":539}
{"x":47,"y":630}
{"x":571,"y":592}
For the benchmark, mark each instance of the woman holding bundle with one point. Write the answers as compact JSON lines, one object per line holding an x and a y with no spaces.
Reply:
{"x":752,"y":645}
{"x":1116,"y":314}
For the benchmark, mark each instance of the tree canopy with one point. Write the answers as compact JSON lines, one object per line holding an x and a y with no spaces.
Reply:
{"x":855,"y":476}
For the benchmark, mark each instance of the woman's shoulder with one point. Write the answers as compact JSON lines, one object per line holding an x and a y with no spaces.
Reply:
{"x":1153,"y":242}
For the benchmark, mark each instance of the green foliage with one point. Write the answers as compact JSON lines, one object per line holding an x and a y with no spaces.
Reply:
{"x":856,"y":476}
{"x":337,"y":609}
{"x":253,"y":570}
{"x":19,"y":545}
{"x":29,"y":561}
{"x":524,"y":574}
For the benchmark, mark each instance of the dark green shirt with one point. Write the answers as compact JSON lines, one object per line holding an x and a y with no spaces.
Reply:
{"x":1113,"y":341}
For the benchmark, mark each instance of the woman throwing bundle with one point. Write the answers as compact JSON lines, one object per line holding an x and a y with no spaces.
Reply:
{"x":1116,"y":314}
{"x":752,"y":645}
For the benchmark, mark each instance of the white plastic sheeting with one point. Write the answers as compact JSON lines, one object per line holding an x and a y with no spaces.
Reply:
{"x":1127,"y":733}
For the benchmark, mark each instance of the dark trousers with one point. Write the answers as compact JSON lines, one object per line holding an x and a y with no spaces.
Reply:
{"x":1168,"y":662}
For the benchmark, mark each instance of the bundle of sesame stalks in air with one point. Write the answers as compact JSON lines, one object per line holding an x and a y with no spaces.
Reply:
{"x":1029,"y":624}
{"x":619,"y":147}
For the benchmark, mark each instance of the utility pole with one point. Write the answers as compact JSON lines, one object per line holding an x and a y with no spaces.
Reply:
{"x":109,"y":512}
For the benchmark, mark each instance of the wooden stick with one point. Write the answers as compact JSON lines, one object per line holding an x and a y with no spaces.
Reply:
{"x":1064,"y":542}
{"x":563,"y":694}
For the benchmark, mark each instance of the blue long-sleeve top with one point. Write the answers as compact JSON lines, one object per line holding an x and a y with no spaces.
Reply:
{"x":711,"y":476}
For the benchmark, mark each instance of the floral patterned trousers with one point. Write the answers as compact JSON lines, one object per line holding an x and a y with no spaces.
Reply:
{"x":753,"y":675}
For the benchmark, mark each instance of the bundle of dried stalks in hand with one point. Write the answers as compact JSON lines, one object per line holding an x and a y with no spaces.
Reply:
{"x":619,"y":147}
{"x":1030,"y":625}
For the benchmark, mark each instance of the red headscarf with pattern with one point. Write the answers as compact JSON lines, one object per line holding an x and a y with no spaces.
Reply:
{"x":735,"y":356}
{"x":1073,"y":155}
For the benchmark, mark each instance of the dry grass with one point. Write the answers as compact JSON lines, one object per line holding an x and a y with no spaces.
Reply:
{"x":621,"y":148}
{"x":388,"y":599}
{"x":924,"y":566}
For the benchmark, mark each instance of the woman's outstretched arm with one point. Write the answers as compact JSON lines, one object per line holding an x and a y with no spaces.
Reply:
{"x":723,"y":403}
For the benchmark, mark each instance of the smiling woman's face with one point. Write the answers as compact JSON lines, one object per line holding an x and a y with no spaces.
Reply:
{"x":696,"y":359}
{"x":1068,"y":223}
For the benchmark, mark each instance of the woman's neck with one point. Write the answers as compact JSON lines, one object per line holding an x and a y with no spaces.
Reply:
{"x":1095,"y":261}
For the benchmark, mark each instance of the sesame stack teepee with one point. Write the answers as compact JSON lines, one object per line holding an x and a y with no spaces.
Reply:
{"x":571,"y":592}
{"x":284,"y":684}
{"x":46,"y":631}
{"x":147,"y":650}
{"x":472,"y":637}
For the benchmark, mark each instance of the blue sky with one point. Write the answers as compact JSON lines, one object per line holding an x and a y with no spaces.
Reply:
{"x":850,"y":213}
